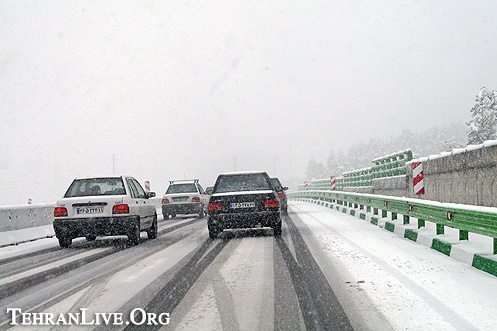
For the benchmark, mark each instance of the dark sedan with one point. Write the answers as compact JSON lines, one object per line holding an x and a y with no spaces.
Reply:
{"x":243,"y":200}
{"x":280,"y":190}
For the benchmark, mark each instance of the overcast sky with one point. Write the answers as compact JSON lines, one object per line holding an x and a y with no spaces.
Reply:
{"x":177,"y":89}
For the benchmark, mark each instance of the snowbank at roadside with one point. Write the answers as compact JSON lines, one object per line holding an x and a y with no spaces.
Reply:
{"x":15,"y":237}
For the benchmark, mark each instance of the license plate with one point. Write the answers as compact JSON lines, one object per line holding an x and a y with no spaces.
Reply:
{"x":92,"y":210}
{"x":180,"y":199}
{"x":234,"y":205}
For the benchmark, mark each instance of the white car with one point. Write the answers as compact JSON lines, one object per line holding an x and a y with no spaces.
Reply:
{"x":104,"y":206}
{"x":184,"y":197}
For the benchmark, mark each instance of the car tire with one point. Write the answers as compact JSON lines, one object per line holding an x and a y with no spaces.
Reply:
{"x":152,"y":232}
{"x":277,"y":229}
{"x":91,"y":237}
{"x":173,"y":215}
{"x":134,"y":235}
{"x":166,"y":216}
{"x":213,"y":231}
{"x":201,"y":214}
{"x":65,"y":242}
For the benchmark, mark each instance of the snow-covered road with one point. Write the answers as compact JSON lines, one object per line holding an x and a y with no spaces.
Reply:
{"x":382,"y":277}
{"x":328,"y":270}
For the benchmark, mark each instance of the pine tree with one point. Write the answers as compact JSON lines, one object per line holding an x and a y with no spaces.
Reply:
{"x":316,"y":170}
{"x":483,"y":124}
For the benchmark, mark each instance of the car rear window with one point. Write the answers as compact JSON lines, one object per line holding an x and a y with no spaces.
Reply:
{"x":95,"y":187}
{"x":242,"y":182}
{"x":181,"y":188}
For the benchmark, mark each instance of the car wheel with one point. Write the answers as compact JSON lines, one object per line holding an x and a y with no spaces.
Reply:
{"x":173,"y":215}
{"x":152,"y":232}
{"x":213,"y":231}
{"x":65,"y":242}
{"x":277,"y":229}
{"x":134,"y":235}
{"x":166,"y":216}
{"x":91,"y":237}
{"x":202,"y":212}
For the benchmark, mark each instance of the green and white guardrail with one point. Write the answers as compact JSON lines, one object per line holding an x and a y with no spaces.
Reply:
{"x":465,"y":218}
{"x":385,"y":166}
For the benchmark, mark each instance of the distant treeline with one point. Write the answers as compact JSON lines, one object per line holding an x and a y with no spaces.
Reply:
{"x":432,"y":141}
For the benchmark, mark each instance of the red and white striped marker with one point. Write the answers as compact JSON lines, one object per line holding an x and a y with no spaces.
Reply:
{"x":30,"y":201}
{"x":147,"y":186}
{"x":306,"y":186}
{"x":333,"y":183}
{"x":417,"y":174}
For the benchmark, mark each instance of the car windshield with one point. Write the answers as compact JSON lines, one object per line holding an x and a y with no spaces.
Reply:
{"x":243,"y":182}
{"x":95,"y":187}
{"x":181,"y":188}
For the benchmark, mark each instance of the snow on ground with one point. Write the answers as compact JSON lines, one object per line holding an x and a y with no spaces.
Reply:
{"x":24,"y":235}
{"x":413,"y":286}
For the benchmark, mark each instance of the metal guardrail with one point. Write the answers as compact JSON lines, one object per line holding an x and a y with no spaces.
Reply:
{"x":385,"y":166}
{"x":480,"y":220}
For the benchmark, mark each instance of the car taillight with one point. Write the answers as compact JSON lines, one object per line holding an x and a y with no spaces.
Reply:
{"x":213,"y":206}
{"x":281,"y":195}
{"x":59,"y":211}
{"x":271,"y":204}
{"x":120,"y":209}
{"x":195,"y":199}
{"x":164,"y":201}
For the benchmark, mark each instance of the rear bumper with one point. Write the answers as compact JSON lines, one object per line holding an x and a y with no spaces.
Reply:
{"x":98,"y":226}
{"x":182,"y":208}
{"x":245,"y":220}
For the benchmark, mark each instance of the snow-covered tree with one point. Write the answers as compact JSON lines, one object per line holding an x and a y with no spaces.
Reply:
{"x":450,"y":144}
{"x":332,"y":164}
{"x":483,"y":124}
{"x":316,"y":170}
{"x":431,"y":141}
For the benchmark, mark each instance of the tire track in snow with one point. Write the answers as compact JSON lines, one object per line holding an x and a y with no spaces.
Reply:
{"x":319,"y":305}
{"x":174,"y":291}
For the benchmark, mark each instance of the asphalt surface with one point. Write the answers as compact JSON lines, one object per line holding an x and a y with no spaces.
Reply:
{"x":242,"y":280}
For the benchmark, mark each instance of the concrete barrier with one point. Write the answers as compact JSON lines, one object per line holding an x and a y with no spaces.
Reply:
{"x":26,"y":216}
{"x":25,"y":223}
{"x":465,"y":176}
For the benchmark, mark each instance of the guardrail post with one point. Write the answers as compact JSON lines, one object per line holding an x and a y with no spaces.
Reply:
{"x":406,"y":219}
{"x":394,"y":216}
{"x":440,"y":229}
{"x":463,"y":235}
{"x":421,"y":223}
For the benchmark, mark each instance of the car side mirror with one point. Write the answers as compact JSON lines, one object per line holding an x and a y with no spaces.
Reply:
{"x":285,"y":188}
{"x":150,"y":195}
